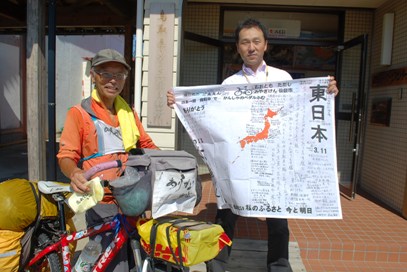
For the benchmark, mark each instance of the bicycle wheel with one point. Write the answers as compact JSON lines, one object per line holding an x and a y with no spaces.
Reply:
{"x":51,"y":262}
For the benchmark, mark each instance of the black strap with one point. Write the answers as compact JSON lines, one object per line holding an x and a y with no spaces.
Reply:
{"x":167,"y":231}
{"x":37,"y":196}
{"x":153,"y":233}
{"x":35,"y":225}
{"x":174,"y":256}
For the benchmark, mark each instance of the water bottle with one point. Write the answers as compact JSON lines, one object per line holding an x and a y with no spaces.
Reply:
{"x":89,"y":255}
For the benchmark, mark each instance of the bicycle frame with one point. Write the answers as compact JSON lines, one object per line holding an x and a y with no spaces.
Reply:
{"x":109,"y":253}
{"x":118,"y":225}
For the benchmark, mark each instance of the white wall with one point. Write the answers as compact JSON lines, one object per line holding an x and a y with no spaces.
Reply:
{"x":10,"y":87}
{"x":385,"y":147}
{"x":70,"y":54}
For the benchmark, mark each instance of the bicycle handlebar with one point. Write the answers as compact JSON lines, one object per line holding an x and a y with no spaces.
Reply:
{"x":102,"y":166}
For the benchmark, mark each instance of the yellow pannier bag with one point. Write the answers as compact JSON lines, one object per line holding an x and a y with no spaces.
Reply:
{"x":181,"y":241}
{"x":21,"y":204}
{"x":10,"y":250}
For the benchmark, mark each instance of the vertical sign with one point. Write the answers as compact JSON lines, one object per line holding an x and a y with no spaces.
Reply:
{"x":86,"y":80}
{"x":160,"y":66}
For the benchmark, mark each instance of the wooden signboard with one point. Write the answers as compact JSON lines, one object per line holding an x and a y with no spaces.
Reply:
{"x":160,"y":66}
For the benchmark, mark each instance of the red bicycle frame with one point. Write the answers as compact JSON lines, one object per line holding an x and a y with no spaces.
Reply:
{"x":63,"y":244}
{"x":118,"y":225}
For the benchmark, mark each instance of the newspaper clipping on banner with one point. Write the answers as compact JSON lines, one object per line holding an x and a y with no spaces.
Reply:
{"x":270,"y":146}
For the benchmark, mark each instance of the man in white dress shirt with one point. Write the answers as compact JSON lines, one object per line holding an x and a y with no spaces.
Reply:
{"x":251,"y":43}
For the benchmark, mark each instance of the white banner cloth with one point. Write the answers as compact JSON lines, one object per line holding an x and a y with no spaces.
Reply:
{"x":270,"y":147}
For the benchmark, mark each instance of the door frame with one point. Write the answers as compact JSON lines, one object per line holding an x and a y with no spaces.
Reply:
{"x":357,"y":112}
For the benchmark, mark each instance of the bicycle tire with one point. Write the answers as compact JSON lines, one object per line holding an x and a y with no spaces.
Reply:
{"x":51,"y":262}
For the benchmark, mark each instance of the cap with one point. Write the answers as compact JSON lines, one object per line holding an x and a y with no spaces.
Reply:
{"x":109,"y":55}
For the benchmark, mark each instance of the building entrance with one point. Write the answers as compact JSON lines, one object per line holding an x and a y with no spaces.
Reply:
{"x":303,"y":43}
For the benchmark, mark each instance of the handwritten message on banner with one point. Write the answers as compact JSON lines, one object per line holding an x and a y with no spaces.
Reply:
{"x":270,"y":146}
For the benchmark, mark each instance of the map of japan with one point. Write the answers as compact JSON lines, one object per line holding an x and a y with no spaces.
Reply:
{"x":264,"y":134}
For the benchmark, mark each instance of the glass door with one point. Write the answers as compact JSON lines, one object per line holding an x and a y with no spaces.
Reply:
{"x":199,"y":57}
{"x":351,"y":67}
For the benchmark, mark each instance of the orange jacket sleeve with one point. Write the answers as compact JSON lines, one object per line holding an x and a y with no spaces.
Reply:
{"x":70,"y":145}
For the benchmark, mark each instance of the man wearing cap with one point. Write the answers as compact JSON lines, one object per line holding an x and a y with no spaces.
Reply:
{"x":102,"y":128}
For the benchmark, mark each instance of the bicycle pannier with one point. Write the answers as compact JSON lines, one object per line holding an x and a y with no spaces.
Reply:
{"x":19,"y":204}
{"x":10,"y":250}
{"x":175,"y":182}
{"x":181,"y":241}
{"x":20,"y":201}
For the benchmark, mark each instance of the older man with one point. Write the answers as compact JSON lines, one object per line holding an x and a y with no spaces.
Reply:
{"x":102,"y":128}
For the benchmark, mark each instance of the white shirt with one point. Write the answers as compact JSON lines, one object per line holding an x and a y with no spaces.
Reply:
{"x":263,"y":74}
{"x":109,"y":138}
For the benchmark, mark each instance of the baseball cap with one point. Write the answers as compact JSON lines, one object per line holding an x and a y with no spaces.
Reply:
{"x":109,"y":55}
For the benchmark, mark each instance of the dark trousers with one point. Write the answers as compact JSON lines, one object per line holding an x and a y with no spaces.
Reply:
{"x":278,"y":239}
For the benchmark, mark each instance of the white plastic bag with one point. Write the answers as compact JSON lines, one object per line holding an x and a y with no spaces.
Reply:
{"x":83,"y":202}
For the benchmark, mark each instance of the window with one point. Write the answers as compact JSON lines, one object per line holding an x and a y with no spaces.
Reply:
{"x":303,"y":43}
